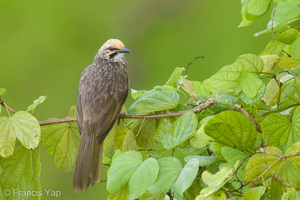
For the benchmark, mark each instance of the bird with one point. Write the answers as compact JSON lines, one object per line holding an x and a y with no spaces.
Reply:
{"x":102,"y":91}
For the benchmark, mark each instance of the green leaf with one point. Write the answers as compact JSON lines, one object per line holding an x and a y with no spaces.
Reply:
{"x":121,"y":170}
{"x":143,"y":178}
{"x":2,"y":91}
{"x":175,"y":76}
{"x":184,"y":128}
{"x":7,"y":137}
{"x":144,"y":130}
{"x":135,"y":94}
{"x":72,"y":111}
{"x":233,"y":129}
{"x":291,"y":194}
{"x":123,"y":195}
{"x":287,"y":36}
{"x":22,"y":126}
{"x":163,"y":129}
{"x":230,"y":76}
{"x":288,"y":63}
{"x":283,"y":9}
{"x":119,"y":137}
{"x":165,"y":88}
{"x":269,"y":62}
{"x":295,"y":49}
{"x":293,"y":149}
{"x":31,"y":109}
{"x":232,"y":155}
{"x":274,"y":47}
{"x":219,"y":195}
{"x":61,"y":143}
{"x":109,"y":142}
{"x":245,"y":21}
{"x":186,"y":177}
{"x":149,"y":196}
{"x":215,"y":182}
{"x":21,"y":172}
{"x":155,"y":100}
{"x":189,"y":87}
{"x":190,"y":150}
{"x":291,"y":95}
{"x":200,"y":139}
{"x":280,"y":130}
{"x":289,"y":172}
{"x":255,"y":99}
{"x":271,"y":95}
{"x":169,"y":170}
{"x":193,"y":191}
{"x":254,"y":193}
{"x":203,"y":160}
{"x":275,"y":189}
{"x":293,"y":13}
{"x":258,"y":7}
{"x":263,"y":160}
{"x":249,"y":84}
{"x":226,"y":98}
{"x":129,"y":142}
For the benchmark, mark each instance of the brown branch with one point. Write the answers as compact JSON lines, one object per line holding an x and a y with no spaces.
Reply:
{"x":244,"y":112}
{"x":207,"y":103}
{"x":58,"y":121}
{"x":2,"y":103}
{"x":268,"y":167}
{"x":272,"y":20}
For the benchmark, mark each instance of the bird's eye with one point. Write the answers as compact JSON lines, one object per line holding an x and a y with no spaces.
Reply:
{"x":111,"y":49}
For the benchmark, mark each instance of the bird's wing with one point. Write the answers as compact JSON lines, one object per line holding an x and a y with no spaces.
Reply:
{"x":102,"y":93}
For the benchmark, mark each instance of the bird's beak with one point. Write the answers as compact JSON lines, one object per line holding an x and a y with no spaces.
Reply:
{"x":123,"y":50}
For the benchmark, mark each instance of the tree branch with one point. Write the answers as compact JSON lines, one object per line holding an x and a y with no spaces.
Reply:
{"x":207,"y":103}
{"x":244,"y":112}
{"x":2,"y":103}
{"x":268,"y":167}
{"x":58,"y":121}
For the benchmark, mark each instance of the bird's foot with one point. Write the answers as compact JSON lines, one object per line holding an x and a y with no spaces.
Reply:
{"x":120,"y":117}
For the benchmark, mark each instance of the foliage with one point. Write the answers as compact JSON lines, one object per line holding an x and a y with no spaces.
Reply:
{"x":245,"y":144}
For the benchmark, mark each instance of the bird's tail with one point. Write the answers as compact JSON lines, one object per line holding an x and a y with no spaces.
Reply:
{"x":87,"y":170}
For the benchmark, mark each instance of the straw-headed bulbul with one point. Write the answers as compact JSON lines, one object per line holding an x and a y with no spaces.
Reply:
{"x":102,"y":92}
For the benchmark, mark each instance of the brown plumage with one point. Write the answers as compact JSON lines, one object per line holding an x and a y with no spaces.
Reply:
{"x":102,"y":92}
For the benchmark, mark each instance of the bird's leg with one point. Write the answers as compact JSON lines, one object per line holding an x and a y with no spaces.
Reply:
{"x":121,"y":117}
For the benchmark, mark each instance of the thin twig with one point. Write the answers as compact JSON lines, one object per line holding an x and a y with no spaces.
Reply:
{"x":2,"y":103}
{"x":209,"y":102}
{"x":58,"y":121}
{"x":268,"y":167}
{"x":169,"y":193}
{"x":244,"y":112}
{"x":187,"y":66}
{"x":272,"y":19}
{"x":278,"y":110}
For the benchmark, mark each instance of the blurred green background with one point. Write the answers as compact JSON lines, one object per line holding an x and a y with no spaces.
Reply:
{"x":44,"y":46}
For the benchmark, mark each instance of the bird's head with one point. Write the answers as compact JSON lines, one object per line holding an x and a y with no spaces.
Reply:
{"x":112,"y":49}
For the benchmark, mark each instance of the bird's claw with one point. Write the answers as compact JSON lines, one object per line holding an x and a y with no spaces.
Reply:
{"x":121,"y":117}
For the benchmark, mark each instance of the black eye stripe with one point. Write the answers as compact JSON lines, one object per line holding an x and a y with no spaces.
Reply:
{"x":112,"y":49}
